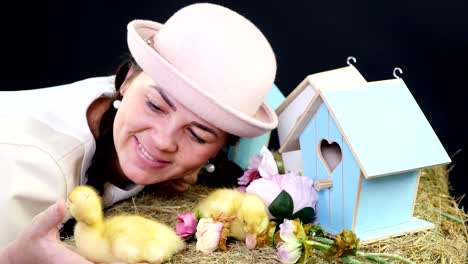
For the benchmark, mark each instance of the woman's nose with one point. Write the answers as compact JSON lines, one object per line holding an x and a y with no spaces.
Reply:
{"x":165,"y":139}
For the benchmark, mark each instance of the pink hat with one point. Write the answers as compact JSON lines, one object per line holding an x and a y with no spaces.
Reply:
{"x":213,"y":61}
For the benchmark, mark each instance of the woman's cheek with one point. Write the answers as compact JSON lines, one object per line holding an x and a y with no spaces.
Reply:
{"x":192,"y":158}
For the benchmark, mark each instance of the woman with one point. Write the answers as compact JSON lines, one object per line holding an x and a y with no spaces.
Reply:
{"x":199,"y":80}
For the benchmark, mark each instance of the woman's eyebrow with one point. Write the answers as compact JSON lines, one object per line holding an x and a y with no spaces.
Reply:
{"x":171,"y":105}
{"x":203,"y":127}
{"x":164,"y":96}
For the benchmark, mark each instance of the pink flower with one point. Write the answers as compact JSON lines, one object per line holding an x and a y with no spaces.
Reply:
{"x":242,"y":188}
{"x":249,"y":176}
{"x":263,"y":165}
{"x":208,"y":235}
{"x":255,"y":161}
{"x":186,"y":225}
{"x":300,"y":188}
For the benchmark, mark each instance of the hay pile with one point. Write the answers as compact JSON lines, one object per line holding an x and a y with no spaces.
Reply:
{"x":446,"y":243}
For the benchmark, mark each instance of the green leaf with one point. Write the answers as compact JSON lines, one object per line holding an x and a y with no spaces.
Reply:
{"x":282,"y":207}
{"x":317,"y":230}
{"x":198,"y":215}
{"x":306,"y":215}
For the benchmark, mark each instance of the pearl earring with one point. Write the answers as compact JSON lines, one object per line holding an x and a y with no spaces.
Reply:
{"x":116,"y":104}
{"x":210,"y":167}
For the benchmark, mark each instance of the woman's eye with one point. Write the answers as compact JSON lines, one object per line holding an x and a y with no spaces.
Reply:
{"x":196,"y":137}
{"x":152,"y":106}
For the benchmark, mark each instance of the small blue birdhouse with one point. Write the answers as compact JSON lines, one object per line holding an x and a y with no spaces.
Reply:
{"x":365,"y":146}
{"x":248,"y":147}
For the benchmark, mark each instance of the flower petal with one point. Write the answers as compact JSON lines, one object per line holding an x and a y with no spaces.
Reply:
{"x":289,"y":253}
{"x":187,"y":224}
{"x":288,"y":231}
{"x":208,"y":235}
{"x":265,"y":189}
{"x":248,"y":176}
{"x":268,"y":166}
{"x":254,"y":162}
{"x":301,"y":190}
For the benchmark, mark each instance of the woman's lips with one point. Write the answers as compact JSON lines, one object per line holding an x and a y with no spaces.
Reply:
{"x":145,"y":153}
{"x":147,"y":159}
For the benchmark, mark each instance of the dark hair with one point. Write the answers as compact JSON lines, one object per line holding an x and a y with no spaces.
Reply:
{"x":103,"y":164}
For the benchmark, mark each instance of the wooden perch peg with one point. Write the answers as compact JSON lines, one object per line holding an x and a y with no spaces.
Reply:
{"x":323,"y":184}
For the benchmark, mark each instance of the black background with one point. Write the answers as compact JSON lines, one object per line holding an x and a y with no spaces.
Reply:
{"x":48,"y":43}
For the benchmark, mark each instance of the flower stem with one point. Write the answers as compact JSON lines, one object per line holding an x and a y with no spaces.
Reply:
{"x":377,"y":260}
{"x":323,"y":240}
{"x":449,"y":216}
{"x":317,"y":245}
{"x":350,"y":260}
{"x":385,"y":255}
{"x":375,"y":257}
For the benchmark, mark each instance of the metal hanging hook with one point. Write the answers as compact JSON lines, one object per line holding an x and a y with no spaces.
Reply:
{"x":349,"y":59}
{"x":395,"y":72}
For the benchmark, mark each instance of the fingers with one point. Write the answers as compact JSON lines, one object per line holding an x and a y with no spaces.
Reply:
{"x":184,"y":183}
{"x":191,"y":178}
{"x":44,"y":222}
{"x":180,"y":185}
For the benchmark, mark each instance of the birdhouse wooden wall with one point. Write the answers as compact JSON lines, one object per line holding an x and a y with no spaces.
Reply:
{"x":292,"y":160}
{"x":329,"y":159}
{"x":347,"y":200}
{"x":384,"y":202}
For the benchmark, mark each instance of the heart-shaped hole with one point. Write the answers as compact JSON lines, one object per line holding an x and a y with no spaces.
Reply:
{"x":330,"y":154}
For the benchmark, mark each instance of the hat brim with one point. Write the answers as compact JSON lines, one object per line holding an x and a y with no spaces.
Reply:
{"x":188,"y":93}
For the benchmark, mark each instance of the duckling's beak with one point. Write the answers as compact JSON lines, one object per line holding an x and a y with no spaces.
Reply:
{"x":251,"y":240}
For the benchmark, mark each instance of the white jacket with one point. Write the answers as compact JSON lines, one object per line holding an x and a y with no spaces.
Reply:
{"x":45,"y":149}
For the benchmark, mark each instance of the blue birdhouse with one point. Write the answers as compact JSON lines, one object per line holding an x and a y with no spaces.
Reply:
{"x":248,"y":147}
{"x":365,"y":146}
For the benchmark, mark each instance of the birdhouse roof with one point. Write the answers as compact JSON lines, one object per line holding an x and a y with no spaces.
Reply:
{"x":383,"y":125}
{"x":323,"y":80}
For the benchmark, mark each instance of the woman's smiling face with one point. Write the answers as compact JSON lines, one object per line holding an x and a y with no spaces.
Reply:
{"x":158,"y":139}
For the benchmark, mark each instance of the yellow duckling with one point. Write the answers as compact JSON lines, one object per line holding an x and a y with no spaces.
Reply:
{"x":124,"y":238}
{"x":251,"y":217}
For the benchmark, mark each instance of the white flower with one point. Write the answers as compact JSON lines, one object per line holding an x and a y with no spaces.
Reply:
{"x":290,"y":250}
{"x":289,"y":253}
{"x":208,"y":235}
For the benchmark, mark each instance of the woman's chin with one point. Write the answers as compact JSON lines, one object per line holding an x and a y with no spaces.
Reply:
{"x":142,"y":178}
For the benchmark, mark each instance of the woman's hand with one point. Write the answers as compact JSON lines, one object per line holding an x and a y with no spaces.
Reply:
{"x":183,"y":184}
{"x":40,"y":242}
